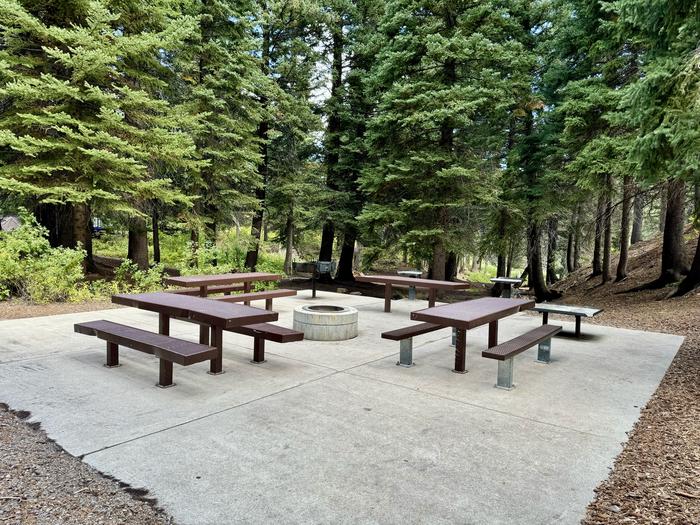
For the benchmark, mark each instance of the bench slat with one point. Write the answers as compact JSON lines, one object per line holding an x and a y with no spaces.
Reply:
{"x":163,"y":346}
{"x":521,"y":343}
{"x":411,"y":331}
{"x":254,"y":296}
{"x":271,"y":332}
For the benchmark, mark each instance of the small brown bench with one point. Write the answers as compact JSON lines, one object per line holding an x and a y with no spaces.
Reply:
{"x":405,"y":337}
{"x":262,"y":332}
{"x":168,"y":349}
{"x":505,"y":352}
{"x":267,"y":295}
{"x":225,"y":289}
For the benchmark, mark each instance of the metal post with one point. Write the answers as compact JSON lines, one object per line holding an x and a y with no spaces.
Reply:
{"x":461,"y":352}
{"x":406,"y":353}
{"x":578,"y":326}
{"x":411,"y":293}
{"x":246,"y":289}
{"x":432,"y":296}
{"x":454,"y":337}
{"x":216,"y":364}
{"x":112,"y":355}
{"x":164,"y":324}
{"x":203,"y":329}
{"x":506,"y":291}
{"x":543,"y":351}
{"x":545,"y":317}
{"x":268,"y":304}
{"x":505,"y":374}
{"x":313,"y":285}
{"x":258,"y":350}
{"x":165,"y":379}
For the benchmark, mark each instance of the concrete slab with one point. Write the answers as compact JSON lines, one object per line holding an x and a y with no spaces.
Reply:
{"x":336,"y":432}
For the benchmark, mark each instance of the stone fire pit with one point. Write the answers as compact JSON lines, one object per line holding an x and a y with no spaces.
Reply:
{"x":325,"y":322}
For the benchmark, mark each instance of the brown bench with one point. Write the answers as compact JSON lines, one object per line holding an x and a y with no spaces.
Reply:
{"x":225,"y":289}
{"x":505,"y":352}
{"x":405,"y":337}
{"x":246,"y":298}
{"x":262,"y":332}
{"x":168,"y":349}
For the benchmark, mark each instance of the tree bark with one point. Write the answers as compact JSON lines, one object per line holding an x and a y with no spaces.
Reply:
{"x":155,"y":226}
{"x":577,"y":237}
{"x":570,"y":247}
{"x":511,"y":256}
{"x":638,"y":222}
{"x":627,"y":188}
{"x":497,"y":288}
{"x":599,"y":228}
{"x":696,"y":202}
{"x":439,"y":260}
{"x":607,"y":234}
{"x":672,"y":256}
{"x":82,"y":234}
{"x":536,"y":278}
{"x":138,"y":242}
{"x":347,"y":256}
{"x":552,"y":226}
{"x":451,"y":266}
{"x":692,"y":280}
{"x":663,"y":204}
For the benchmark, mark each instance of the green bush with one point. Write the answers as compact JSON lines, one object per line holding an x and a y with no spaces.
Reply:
{"x":128,"y":278}
{"x":32,"y":269}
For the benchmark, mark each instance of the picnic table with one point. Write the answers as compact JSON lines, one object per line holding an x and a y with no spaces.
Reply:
{"x":466,"y":315}
{"x":390,"y":280}
{"x":564,"y":309}
{"x":210,"y":315}
{"x":416,"y":274}
{"x":508,"y":284}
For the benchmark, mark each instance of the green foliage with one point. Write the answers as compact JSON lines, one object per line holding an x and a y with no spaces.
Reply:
{"x":30,"y":268}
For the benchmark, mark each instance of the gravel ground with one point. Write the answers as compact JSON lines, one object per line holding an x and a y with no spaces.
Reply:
{"x":42,"y":484}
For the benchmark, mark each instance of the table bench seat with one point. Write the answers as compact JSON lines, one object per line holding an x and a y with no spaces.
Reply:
{"x":262,"y":332}
{"x":267,"y":295}
{"x":168,"y":349}
{"x":505,"y":352}
{"x":405,"y":337}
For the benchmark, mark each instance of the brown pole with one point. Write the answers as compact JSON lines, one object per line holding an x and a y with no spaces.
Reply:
{"x":387,"y":297}
{"x":203,"y":329}
{"x":493,"y":334}
{"x":461,"y":352}
{"x":112,"y":354}
{"x":216,"y":364}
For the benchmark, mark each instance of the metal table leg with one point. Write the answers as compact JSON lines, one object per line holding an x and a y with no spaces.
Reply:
{"x":387,"y":297}
{"x":203,"y":329}
{"x":216,"y":364}
{"x":411,"y":293}
{"x":493,"y":334}
{"x":406,"y":353}
{"x":578,"y":326}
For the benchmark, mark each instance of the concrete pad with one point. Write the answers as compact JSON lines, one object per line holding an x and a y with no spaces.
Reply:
{"x":336,"y":432}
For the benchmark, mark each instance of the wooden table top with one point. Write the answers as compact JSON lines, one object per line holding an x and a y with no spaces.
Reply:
{"x":412,"y":281}
{"x":221,"y":278}
{"x":226,"y":315}
{"x":470,"y":314}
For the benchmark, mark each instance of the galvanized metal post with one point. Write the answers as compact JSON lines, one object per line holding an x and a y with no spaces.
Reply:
{"x":406,"y":353}
{"x":543,"y":351}
{"x":411,"y":293}
{"x":505,"y":374}
{"x":454,"y":337}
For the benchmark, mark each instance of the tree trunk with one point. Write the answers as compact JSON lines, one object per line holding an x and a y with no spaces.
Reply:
{"x":607,"y":234}
{"x":82,"y":234}
{"x":497,"y":288}
{"x":439,"y":260}
{"x":570,"y":246}
{"x":347,"y":256}
{"x":536,"y":278}
{"x":672,"y":256}
{"x":627,"y":188}
{"x":692,"y":280}
{"x":511,"y":256}
{"x":552,"y":226}
{"x":138,"y":242}
{"x":289,"y":244}
{"x":251,"y":257}
{"x":156,"y":236}
{"x":696,"y":207}
{"x":663,"y":204}
{"x":638,"y":222}
{"x":194,"y":246}
{"x":451,"y":266}
{"x":599,"y":227}
{"x":577,"y":237}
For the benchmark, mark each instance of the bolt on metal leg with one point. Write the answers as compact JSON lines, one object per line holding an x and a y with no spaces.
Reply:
{"x":406,"y":353}
{"x":543,"y":351}
{"x":505,"y":374}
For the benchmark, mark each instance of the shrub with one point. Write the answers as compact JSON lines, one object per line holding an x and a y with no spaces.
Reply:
{"x":31,"y":268}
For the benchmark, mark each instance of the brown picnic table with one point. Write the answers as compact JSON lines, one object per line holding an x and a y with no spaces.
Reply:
{"x":466,"y":315}
{"x":216,"y":316}
{"x":390,"y":280}
{"x":208,"y":284}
